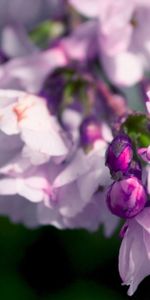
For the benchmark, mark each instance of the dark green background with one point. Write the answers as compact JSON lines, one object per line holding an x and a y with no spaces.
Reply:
{"x":47,"y":263}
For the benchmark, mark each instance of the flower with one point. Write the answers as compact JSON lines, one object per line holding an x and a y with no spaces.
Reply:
{"x":30,"y":66}
{"x":119,"y":31}
{"x":127,"y":197}
{"x":32,"y":190}
{"x":66,"y":195}
{"x":134,"y":255}
{"x":28,"y":117}
{"x":119,"y":154}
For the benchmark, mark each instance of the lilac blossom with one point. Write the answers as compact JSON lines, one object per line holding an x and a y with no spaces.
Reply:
{"x":28,"y":117}
{"x":29,"y":72}
{"x":61,"y":205}
{"x":30,"y":66}
{"x":134,"y":255}
{"x":119,"y":31}
{"x":66,"y":195}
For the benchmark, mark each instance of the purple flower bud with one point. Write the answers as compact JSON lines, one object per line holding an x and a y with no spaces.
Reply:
{"x":119,"y":154}
{"x":127,"y":197}
{"x":90,"y":131}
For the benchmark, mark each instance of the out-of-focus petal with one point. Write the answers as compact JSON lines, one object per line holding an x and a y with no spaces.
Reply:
{"x":87,"y":7}
{"x":133,"y":266}
{"x":144,"y":219}
{"x":29,"y":72}
{"x":19,"y":210}
{"x":82,"y":43}
{"x":75,"y":169}
{"x":15,"y":42}
{"x":124,"y":69}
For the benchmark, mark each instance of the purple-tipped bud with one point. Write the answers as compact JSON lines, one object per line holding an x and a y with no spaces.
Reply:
{"x":127,"y":197}
{"x":119,"y":154}
{"x":90,"y":131}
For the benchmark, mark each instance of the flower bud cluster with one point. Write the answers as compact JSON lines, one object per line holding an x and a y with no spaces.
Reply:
{"x":127,"y":196}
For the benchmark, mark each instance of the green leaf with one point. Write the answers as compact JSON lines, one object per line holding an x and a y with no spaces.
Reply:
{"x":43,"y":33}
{"x":137,"y":127}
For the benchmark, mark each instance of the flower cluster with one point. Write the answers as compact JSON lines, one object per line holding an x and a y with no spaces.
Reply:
{"x":128,"y":198}
{"x":74,"y":138}
{"x":54,"y":166}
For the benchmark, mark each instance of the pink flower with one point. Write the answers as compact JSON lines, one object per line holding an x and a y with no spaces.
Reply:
{"x":29,"y":67}
{"x":94,"y":214}
{"x":134,"y":256}
{"x":69,"y":195}
{"x":29,"y":72}
{"x":62,"y":207}
{"x":123,"y":33}
{"x":27,"y":116}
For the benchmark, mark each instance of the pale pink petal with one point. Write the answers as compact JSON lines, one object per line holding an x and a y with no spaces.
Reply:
{"x":8,"y":121}
{"x":116,"y":42}
{"x":15,"y":41}
{"x":133,"y":266}
{"x":146,"y":237}
{"x":9,"y":97}
{"x":35,"y":158}
{"x":142,"y":2}
{"x":26,"y":188}
{"x":82,"y":43}
{"x":8,"y":186}
{"x":106,"y":133}
{"x":70,"y":202}
{"x":10,"y":146}
{"x":29,"y":72}
{"x":106,"y":218}
{"x":90,"y":182}
{"x":49,"y":216}
{"x":144,"y":219}
{"x":49,"y":142}
{"x":124,"y":69}
{"x":17,"y":165}
{"x":114,"y":16}
{"x":19,"y":210}
{"x":87,"y":7}
{"x":76,"y":168}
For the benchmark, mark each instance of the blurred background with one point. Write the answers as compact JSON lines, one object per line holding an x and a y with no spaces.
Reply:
{"x":47,"y":263}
